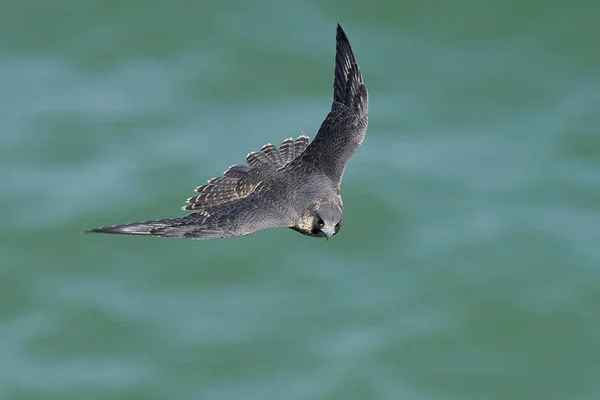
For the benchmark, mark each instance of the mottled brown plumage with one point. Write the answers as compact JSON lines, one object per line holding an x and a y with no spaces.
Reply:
{"x":295,"y":185}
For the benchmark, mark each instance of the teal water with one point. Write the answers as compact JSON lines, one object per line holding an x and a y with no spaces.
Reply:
{"x":469,"y":262}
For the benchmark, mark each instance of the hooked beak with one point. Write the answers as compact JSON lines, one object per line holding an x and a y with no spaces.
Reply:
{"x":328,"y":231}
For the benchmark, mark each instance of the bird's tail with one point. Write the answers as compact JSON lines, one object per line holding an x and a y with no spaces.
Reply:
{"x":146,"y":228}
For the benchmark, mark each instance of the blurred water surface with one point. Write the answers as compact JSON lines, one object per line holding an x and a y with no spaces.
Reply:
{"x":469,"y":262}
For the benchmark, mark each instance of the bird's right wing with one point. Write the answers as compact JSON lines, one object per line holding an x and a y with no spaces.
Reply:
{"x":344,"y":128}
{"x":241,"y":218}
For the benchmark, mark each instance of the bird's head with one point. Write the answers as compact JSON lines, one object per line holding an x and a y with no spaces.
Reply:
{"x":322,"y":218}
{"x":327,"y":222}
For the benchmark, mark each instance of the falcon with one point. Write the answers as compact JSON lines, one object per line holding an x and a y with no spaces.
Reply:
{"x":295,"y":185}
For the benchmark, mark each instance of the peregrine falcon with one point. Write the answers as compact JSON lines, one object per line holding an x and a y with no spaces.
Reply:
{"x":295,"y":185}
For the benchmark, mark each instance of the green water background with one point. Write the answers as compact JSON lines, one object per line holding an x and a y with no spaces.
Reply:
{"x":468,"y":266}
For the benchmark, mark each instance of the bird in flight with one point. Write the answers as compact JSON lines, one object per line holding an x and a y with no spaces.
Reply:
{"x":295,"y":185}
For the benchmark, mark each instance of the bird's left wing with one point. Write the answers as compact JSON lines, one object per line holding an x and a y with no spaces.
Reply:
{"x":237,"y":219}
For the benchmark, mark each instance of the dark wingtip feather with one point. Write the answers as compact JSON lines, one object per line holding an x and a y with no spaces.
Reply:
{"x":348,"y":87}
{"x":191,"y":226}
{"x":121,"y":230}
{"x":146,"y":228}
{"x":95,"y":230}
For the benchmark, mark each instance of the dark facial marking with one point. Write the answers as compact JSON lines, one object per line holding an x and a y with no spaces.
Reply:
{"x":338,"y":226}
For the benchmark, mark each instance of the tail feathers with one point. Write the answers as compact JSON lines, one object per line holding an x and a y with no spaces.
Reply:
{"x":348,"y":87}
{"x":273,"y":153}
{"x":286,"y":151}
{"x":300,"y":145}
{"x":258,"y":159}
{"x":271,"y":156}
{"x":239,"y":181}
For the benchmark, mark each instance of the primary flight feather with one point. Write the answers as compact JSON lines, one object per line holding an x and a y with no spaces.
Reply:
{"x":295,"y":185}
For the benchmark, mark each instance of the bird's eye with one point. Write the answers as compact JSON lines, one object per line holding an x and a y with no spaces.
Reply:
{"x":338,"y":226}
{"x":320,"y":222}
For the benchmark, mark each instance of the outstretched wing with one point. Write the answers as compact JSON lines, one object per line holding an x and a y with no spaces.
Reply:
{"x":240,"y":181}
{"x":235,"y":204}
{"x":237,"y":219}
{"x":345,"y":126}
